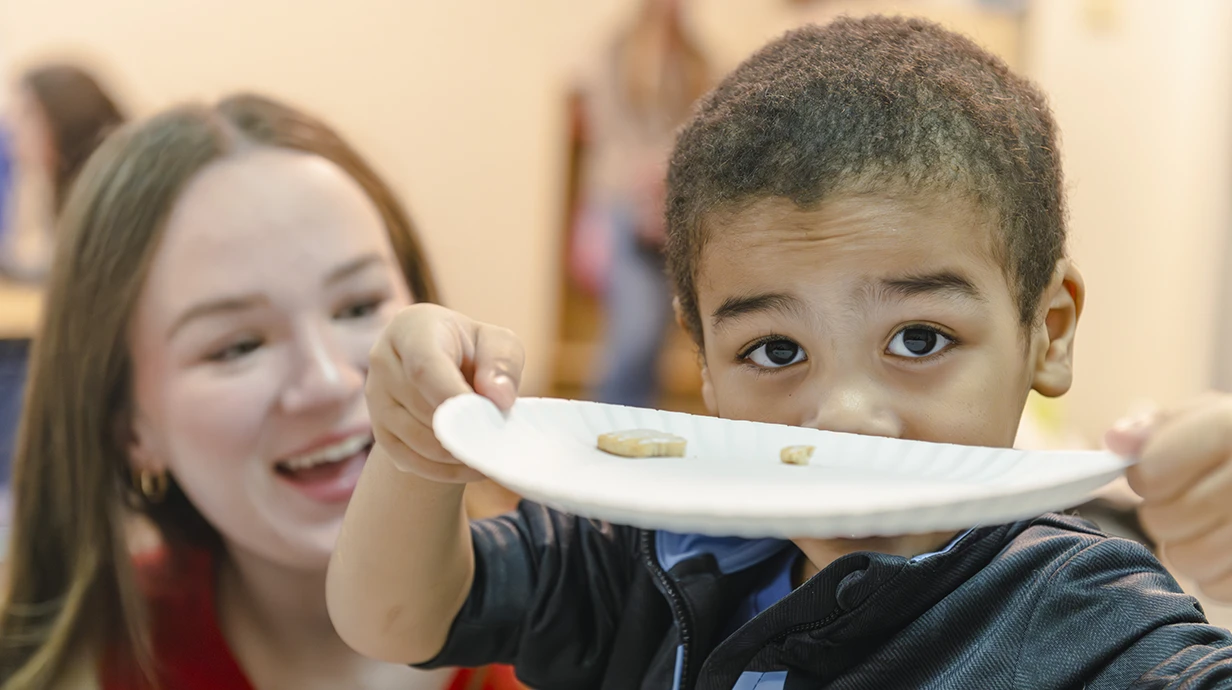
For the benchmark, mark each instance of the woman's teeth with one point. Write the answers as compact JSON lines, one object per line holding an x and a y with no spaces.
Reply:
{"x":335,"y":453}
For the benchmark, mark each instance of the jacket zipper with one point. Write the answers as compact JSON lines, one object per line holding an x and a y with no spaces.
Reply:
{"x":679,"y":609}
{"x":805,"y":627}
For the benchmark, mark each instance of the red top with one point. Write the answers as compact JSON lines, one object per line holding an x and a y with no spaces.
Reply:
{"x":189,"y":648}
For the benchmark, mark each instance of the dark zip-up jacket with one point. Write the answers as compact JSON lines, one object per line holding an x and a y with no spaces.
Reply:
{"x":1052,"y":602}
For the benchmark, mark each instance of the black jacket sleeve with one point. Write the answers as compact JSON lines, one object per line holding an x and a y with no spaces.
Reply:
{"x":1115,"y":617}
{"x":548,"y":594}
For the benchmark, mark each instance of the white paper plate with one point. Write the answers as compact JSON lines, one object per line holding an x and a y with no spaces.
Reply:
{"x":732,"y":483}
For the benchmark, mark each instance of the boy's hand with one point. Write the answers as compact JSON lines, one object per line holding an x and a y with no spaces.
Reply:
{"x":427,"y":355}
{"x":1184,"y":476}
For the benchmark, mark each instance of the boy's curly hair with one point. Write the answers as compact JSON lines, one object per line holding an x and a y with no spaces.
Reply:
{"x":868,"y":105}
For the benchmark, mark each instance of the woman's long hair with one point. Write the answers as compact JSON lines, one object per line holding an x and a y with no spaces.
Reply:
{"x":71,"y":585}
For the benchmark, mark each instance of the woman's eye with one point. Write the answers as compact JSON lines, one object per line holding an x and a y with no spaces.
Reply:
{"x":235,"y":351}
{"x":775,"y":354}
{"x":915,"y":342}
{"x":359,"y":310}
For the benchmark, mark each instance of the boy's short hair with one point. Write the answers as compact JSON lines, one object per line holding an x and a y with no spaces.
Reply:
{"x":868,"y":105}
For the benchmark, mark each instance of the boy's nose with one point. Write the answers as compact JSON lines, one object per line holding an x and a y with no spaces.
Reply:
{"x":856,"y":408}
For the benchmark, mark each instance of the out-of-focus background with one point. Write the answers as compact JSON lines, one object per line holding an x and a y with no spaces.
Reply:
{"x":483,"y":115}
{"x":465,"y":106}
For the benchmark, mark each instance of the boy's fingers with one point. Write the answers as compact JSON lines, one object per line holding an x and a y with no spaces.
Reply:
{"x":1128,"y":436}
{"x":499,"y":359}
{"x":1206,"y":558}
{"x":1182,"y":450}
{"x":1177,"y":521}
{"x":407,"y":382}
{"x":415,"y":448}
{"x":1193,"y":512}
{"x":426,"y":357}
{"x":418,"y":439}
{"x":427,"y":346}
{"x":394,"y":432}
{"x":442,"y":466}
{"x":432,"y":377}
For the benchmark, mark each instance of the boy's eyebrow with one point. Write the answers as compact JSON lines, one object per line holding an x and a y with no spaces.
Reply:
{"x":735,"y":307}
{"x":944,"y":283}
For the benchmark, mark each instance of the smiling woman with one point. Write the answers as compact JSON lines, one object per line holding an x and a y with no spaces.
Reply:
{"x":243,"y":316}
{"x":222,"y":276}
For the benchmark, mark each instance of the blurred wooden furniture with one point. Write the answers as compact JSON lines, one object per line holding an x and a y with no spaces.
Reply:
{"x":579,"y":340}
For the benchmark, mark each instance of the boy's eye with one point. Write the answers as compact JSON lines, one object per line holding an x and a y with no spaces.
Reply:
{"x":358,"y":310}
{"x":916,"y":342}
{"x":774,"y":354}
{"x":235,"y":350}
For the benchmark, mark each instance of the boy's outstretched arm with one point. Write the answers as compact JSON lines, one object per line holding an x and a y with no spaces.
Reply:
{"x":404,"y":565}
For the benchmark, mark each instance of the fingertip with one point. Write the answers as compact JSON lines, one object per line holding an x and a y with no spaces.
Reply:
{"x":1123,"y":443}
{"x":1128,"y":436}
{"x":501,"y":390}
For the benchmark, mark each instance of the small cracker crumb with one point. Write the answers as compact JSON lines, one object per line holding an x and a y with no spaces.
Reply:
{"x":796,"y":455}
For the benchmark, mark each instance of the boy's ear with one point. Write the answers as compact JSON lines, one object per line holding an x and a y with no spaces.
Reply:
{"x":1052,"y":340}
{"x":707,"y":386}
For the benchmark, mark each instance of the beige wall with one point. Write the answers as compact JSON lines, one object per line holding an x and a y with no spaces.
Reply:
{"x":737,"y":27}
{"x":1141,"y":92}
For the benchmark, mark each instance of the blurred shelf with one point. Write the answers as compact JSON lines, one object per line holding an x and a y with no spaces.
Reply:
{"x":21,"y":307}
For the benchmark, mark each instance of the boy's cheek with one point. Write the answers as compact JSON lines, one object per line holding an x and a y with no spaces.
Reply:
{"x":979,"y":403}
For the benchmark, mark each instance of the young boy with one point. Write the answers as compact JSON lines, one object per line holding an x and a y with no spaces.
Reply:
{"x":866,"y":233}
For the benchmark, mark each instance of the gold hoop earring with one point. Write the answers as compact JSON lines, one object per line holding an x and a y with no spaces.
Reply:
{"x":153,"y":485}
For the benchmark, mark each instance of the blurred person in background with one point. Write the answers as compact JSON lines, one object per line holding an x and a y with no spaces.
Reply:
{"x":222,"y":275}
{"x":641,"y":90}
{"x":59,"y":116}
